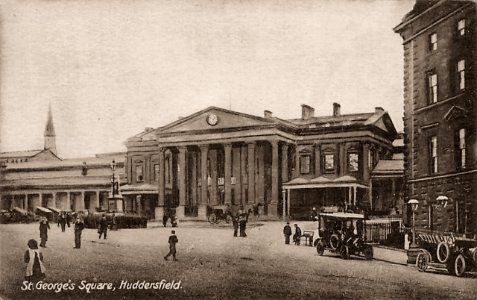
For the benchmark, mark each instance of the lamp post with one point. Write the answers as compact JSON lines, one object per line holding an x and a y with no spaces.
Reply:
{"x":413,"y":248}
{"x":414,"y":205}
{"x":113,"y":168}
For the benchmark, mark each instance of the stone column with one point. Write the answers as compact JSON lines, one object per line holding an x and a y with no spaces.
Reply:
{"x":138,"y":205}
{"x":213,"y":175}
{"x":272,"y":207}
{"x":365,"y":163}
{"x":202,"y":209}
{"x":236,"y":174}
{"x":318,"y":160}
{"x":182,"y":182}
{"x":96,"y":204}
{"x":81,"y":202}
{"x":243,"y":173}
{"x":251,"y":172}
{"x":228,"y":173}
{"x":296,"y":173}
{"x":159,"y":210}
{"x":285,"y":163}
{"x":260,"y":176}
{"x":68,"y":201}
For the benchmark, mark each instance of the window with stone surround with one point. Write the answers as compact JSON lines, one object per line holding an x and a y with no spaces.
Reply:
{"x":305,"y":161}
{"x":433,"y":41}
{"x":461,"y":74}
{"x":139,"y":173}
{"x":432,"y":155}
{"x":328,"y":162}
{"x":353,"y":161}
{"x":461,"y":27}
{"x":156,"y":172}
{"x":461,"y":149}
{"x":432,"y":87}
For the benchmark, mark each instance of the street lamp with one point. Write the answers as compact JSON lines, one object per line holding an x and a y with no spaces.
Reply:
{"x":414,"y":205}
{"x":442,"y":200}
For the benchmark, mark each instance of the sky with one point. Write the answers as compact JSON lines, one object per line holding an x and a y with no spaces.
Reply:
{"x":111,"y":68}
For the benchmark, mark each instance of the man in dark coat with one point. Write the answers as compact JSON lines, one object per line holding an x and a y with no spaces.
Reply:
{"x":287,"y":231}
{"x":62,"y":220}
{"x":79,"y":226}
{"x":103,"y":227}
{"x":235,"y":222}
{"x":164,"y":220}
{"x":296,"y":237}
{"x":172,"y":246}
{"x":44,"y":227}
{"x":243,"y":224}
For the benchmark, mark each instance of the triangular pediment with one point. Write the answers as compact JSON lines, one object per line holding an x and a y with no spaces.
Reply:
{"x":455,"y":112}
{"x":214,"y":118}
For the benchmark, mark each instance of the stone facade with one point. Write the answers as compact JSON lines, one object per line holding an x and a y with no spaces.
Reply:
{"x":440,"y":85}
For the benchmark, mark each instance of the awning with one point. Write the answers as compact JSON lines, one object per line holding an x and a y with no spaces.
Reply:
{"x":130,"y":189}
{"x":342,"y":215}
{"x":43,"y":209}
{"x":323,"y":182}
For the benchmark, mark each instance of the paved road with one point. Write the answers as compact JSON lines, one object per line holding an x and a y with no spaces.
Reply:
{"x":214,"y":264}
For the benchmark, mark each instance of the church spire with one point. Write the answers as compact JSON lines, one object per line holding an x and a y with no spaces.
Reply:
{"x":50,"y":136}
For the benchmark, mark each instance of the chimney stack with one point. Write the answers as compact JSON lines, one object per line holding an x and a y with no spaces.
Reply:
{"x":336,"y":109}
{"x":267,"y":114}
{"x":307,"y":112}
{"x":378,"y":109}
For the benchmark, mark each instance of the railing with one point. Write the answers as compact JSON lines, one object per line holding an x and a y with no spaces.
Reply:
{"x":379,"y":229}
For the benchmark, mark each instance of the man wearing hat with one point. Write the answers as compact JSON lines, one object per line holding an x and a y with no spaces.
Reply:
{"x":79,"y":226}
{"x":172,"y":246}
{"x":44,"y":226}
{"x":287,"y":231}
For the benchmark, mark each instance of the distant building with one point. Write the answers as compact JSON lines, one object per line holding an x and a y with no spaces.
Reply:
{"x":222,"y":158}
{"x":39,"y":178}
{"x":440,"y":97}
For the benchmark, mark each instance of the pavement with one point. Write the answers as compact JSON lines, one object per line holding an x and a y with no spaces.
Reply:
{"x":390,"y":255}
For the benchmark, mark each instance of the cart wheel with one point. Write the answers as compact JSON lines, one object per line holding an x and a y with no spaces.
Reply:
{"x":344,"y":252}
{"x":459,"y":265}
{"x":368,"y":252}
{"x":334,"y":241}
{"x":212,"y":219}
{"x":443,"y":252}
{"x":320,"y":248}
{"x":422,"y":261}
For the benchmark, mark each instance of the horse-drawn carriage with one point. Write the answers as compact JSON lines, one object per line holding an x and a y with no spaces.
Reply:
{"x":218,"y":213}
{"x":446,"y":251}
{"x":342,"y":233}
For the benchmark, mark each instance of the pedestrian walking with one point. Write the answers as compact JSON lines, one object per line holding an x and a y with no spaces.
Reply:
{"x":243,"y":224}
{"x":63,"y":220}
{"x":33,"y":257}
{"x":79,"y":226}
{"x":287,"y":232}
{"x":103,"y":227}
{"x":172,"y":246}
{"x":297,"y":235}
{"x":164,"y":220}
{"x":44,"y":227}
{"x":235,"y":222}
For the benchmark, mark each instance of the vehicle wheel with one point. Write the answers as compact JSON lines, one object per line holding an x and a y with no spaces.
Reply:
{"x":474,"y":256}
{"x":459,"y":265}
{"x":422,"y":261}
{"x":368,"y":252}
{"x":212,"y":219}
{"x":320,"y":248}
{"x":334,"y":241}
{"x":443,"y":252}
{"x":344,"y":252}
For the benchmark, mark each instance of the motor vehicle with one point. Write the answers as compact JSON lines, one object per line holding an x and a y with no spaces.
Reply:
{"x":218,"y":213}
{"x":342,"y":233}
{"x":438,"y":250}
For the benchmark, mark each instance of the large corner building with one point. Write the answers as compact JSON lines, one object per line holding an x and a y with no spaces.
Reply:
{"x":440,"y":97}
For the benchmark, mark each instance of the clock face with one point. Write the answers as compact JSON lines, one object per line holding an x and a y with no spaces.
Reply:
{"x":212,"y":119}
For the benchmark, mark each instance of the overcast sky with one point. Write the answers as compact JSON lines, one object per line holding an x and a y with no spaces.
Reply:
{"x":112,"y":68}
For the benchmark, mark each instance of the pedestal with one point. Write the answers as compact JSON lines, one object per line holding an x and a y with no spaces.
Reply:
{"x":412,"y":253}
{"x":273,"y":209}
{"x":180,"y":212}
{"x":202,"y":212}
{"x":159,"y":213}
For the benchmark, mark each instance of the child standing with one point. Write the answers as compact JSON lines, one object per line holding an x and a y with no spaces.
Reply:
{"x":35,"y":270}
{"x":172,"y":246}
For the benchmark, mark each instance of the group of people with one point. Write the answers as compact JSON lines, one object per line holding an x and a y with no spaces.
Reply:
{"x":287,"y":232}
{"x":240,"y":222}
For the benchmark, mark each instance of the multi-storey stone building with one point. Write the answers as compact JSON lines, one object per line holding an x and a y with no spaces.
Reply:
{"x":221,"y":157}
{"x":440,"y":83}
